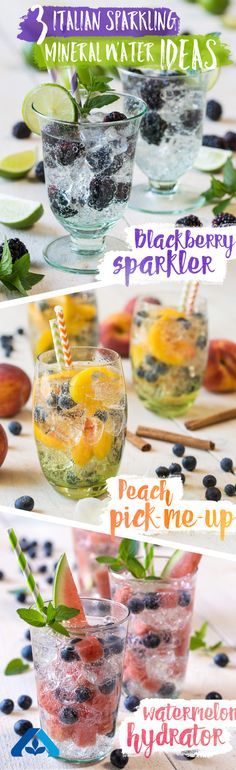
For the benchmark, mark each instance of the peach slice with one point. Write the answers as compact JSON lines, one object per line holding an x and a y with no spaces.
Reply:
{"x":165,"y":342}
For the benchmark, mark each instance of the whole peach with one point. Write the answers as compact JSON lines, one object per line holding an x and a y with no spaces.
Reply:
{"x":220,"y":374}
{"x":15,"y":388}
{"x":115,"y":333}
{"x":3,"y":445}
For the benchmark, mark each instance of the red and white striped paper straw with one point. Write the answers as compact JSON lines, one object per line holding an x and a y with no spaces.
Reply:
{"x":63,"y":335}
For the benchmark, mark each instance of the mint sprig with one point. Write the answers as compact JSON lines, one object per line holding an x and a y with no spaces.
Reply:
{"x":16,"y":666}
{"x":127,"y":559}
{"x":224,"y":191}
{"x":51,"y":616}
{"x":16,"y":277}
{"x":95,"y":87}
{"x":198,"y":640}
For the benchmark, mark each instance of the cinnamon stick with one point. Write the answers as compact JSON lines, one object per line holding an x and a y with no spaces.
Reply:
{"x":212,"y":419}
{"x":144,"y":446}
{"x":174,"y":438}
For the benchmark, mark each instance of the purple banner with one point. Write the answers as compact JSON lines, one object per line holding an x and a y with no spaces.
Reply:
{"x":72,"y":21}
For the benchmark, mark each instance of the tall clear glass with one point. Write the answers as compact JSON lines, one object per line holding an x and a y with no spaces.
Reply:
{"x":78,"y":681}
{"x":80,"y":420}
{"x":88,"y":170}
{"x":158,"y":632}
{"x":81,"y":317}
{"x":170,"y":137}
{"x":168,"y":353}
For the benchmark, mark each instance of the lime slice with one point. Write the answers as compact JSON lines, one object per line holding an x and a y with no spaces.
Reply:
{"x":50,"y":100}
{"x":17,"y":212}
{"x":229,"y":21}
{"x":18,"y":165}
{"x":211,"y":78}
{"x":211,"y":159}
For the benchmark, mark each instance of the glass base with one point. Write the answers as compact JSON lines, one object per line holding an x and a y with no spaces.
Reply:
{"x":169,"y":408}
{"x":80,"y":493}
{"x":83,"y":762}
{"x":147,"y":199}
{"x":81,"y":256}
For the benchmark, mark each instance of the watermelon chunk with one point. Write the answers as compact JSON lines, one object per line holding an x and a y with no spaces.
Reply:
{"x":65,"y":591}
{"x":90,"y":649}
{"x":180,"y":564}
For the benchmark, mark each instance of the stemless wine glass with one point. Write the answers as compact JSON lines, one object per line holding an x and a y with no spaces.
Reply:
{"x":88,"y":170}
{"x":80,"y":313}
{"x":79,"y":691}
{"x":168,"y":354}
{"x":170,"y":137}
{"x":80,"y":420}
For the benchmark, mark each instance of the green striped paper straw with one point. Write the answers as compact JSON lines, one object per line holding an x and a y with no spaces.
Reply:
{"x":57,"y":342}
{"x":23,"y":564}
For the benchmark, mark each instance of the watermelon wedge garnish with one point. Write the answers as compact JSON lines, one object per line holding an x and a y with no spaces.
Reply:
{"x":65,"y":591}
{"x":181,"y":563}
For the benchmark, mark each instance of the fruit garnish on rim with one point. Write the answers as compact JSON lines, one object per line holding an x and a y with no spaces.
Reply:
{"x":56,"y":612}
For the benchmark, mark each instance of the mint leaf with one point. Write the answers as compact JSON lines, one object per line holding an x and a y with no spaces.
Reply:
{"x":31,"y":279}
{"x":115,"y":564}
{"x":33,"y":617}
{"x":58,"y":628}
{"x":65,"y":613}
{"x":229,"y":176}
{"x":149,"y":556}
{"x":196,"y":642}
{"x":16,"y":666}
{"x":203,"y":629}
{"x":222,"y":206}
{"x":51,"y":612}
{"x":6,"y":261}
{"x":127,"y":549}
{"x":136,"y":569}
{"x":214,"y":647}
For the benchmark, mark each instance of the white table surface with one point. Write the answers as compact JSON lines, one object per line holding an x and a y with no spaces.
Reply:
{"x":215,"y":600}
{"x":17,"y":79}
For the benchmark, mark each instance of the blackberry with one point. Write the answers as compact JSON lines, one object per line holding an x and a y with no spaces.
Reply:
{"x":151,"y":93}
{"x":189,"y":221}
{"x":190,"y":119}
{"x":39,"y":171}
{"x":68,"y":152}
{"x":114,"y":117}
{"x":100,"y":158}
{"x":123,"y":191}
{"x":224,"y":219}
{"x":211,"y":140}
{"x":116,"y":164}
{"x":17,"y":249}
{"x":213,"y":110}
{"x":60,"y":203}
{"x":230,"y":140}
{"x":152,"y":127}
{"x":20,"y":130}
{"x":102,"y":191}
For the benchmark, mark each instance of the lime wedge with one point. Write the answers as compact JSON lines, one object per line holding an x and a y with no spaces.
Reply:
{"x":18,"y":165}
{"x":211,"y":159}
{"x":211,"y":78}
{"x":50,"y":100}
{"x":17,"y":212}
{"x":229,"y":21}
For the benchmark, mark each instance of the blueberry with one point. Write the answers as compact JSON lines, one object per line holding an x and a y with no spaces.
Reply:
{"x":39,"y":171}
{"x":151,"y":640}
{"x":116,"y":645}
{"x":21,"y":597}
{"x":152,"y":601}
{"x":68,"y":654}
{"x":42,"y":569}
{"x":15,"y":427}
{"x":140,"y":371}
{"x":52,"y":399}
{"x":24,"y":702}
{"x":107,"y":686}
{"x":1,"y":575}
{"x":152,"y":127}
{"x":213,"y":493}
{"x":131,"y":702}
{"x":68,"y":715}
{"x":230,"y":490}
{"x":166,"y":637}
{"x":25,"y":503}
{"x":189,"y":755}
{"x":49,"y":580}
{"x":20,"y":330}
{"x":47,"y":547}
{"x":21,"y":726}
{"x":20,"y":130}
{"x":100,"y":158}
{"x":101,"y":414}
{"x":189,"y":463}
{"x":162,"y":472}
{"x":227,"y":465}
{"x":6,"y":706}
{"x":118,"y":759}
{"x":178,"y":450}
{"x":66,"y":402}
{"x":32,"y":553}
{"x":209,"y":480}
{"x":27,"y":653}
{"x":221,"y":659}
{"x":183,"y":478}
{"x":151,"y":376}
{"x":167,"y":690}
{"x":135,"y":605}
{"x":184,"y":599}
{"x":184,"y":322}
{"x":201,"y":341}
{"x":174,"y":469}
{"x":27,"y":634}
{"x":213,"y":696}
{"x":83,"y":694}
{"x":39,"y":414}
{"x":102,"y":191}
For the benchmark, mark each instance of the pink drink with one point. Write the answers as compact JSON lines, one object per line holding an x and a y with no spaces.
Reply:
{"x":79,"y":681}
{"x":158,"y":632}
{"x":92,"y":576}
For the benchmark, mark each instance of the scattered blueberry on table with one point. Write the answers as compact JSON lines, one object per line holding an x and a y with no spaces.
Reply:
{"x":21,"y":597}
{"x":175,"y":469}
{"x":209,"y":481}
{"x":213,"y":109}
{"x":21,"y":726}
{"x":6,"y":706}
{"x":131,"y":702}
{"x":24,"y":702}
{"x":20,"y":130}
{"x":1,"y":575}
{"x":227,"y":465}
{"x":178,"y":450}
{"x":213,"y":696}
{"x":189,"y":463}
{"x":213,"y":493}
{"x":118,"y":759}
{"x":25,"y":503}
{"x":39,"y":171}
{"x":230,"y":490}
{"x":162,"y":472}
{"x":221,"y":659}
{"x":15,"y":427}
